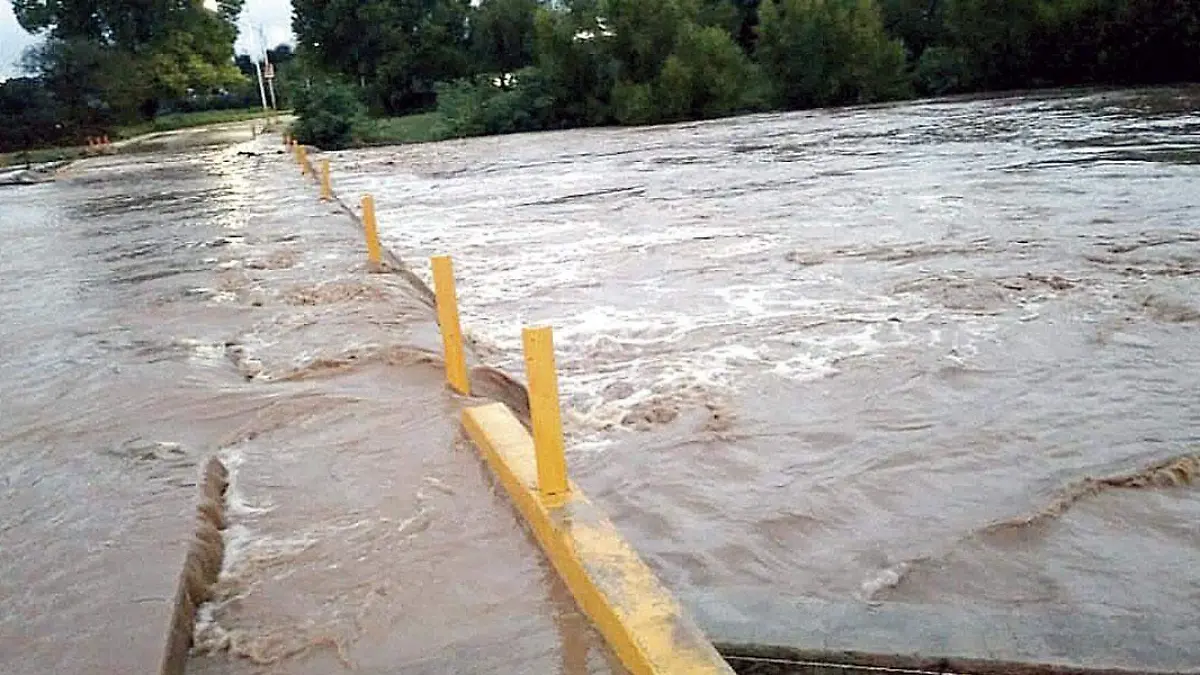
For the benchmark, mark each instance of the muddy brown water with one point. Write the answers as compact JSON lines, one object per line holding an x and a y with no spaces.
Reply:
{"x":161,"y":309}
{"x":848,"y":354}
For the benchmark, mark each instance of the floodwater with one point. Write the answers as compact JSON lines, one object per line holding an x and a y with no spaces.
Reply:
{"x":865,"y":355}
{"x":164,"y":308}
{"x":869,"y":355}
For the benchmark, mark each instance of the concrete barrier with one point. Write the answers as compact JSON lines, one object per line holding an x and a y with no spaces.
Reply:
{"x":644,"y":625}
{"x":647,"y":629}
{"x":761,"y":631}
{"x":201,"y":567}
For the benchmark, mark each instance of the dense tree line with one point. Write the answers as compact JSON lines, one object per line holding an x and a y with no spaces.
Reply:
{"x":513,"y":65}
{"x":499,"y":66}
{"x":107,"y":62}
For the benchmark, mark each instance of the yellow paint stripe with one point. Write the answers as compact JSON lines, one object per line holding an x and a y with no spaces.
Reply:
{"x":644,"y":624}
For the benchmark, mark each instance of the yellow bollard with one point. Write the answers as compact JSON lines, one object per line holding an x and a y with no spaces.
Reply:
{"x":447,"y":311}
{"x":547,"y":417}
{"x":326,"y":183}
{"x":371,"y":229}
{"x":303,"y":160}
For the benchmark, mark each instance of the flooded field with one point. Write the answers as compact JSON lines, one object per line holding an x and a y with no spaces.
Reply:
{"x":866,"y":355}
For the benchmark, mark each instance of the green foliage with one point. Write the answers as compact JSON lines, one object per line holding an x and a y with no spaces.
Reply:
{"x":502,"y":35}
{"x":110,"y":60}
{"x":518,"y":65}
{"x":418,"y":128}
{"x":830,"y":52}
{"x":328,"y":114}
{"x":398,"y":49}
{"x":916,"y":23}
{"x":1024,"y":43}
{"x":29,"y":116}
{"x":577,"y":73}
{"x":944,"y":70}
{"x":479,"y":106}
{"x":706,"y":75}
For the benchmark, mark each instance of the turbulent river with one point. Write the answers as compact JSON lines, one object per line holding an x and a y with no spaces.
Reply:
{"x":872,"y":353}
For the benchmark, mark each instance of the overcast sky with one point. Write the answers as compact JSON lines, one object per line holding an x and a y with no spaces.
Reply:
{"x":273,"y":16}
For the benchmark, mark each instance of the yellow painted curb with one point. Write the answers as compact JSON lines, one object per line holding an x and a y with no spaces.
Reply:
{"x":644,"y":624}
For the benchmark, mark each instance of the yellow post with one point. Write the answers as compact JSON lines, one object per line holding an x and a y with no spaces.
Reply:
{"x":326,"y":184}
{"x":303,"y":160}
{"x":447,"y":311}
{"x":371,"y":229}
{"x":546,"y":415}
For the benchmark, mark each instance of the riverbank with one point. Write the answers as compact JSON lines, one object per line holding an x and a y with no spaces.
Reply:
{"x":129,"y":135}
{"x":432,"y":127}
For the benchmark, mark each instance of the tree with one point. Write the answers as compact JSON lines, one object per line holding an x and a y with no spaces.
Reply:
{"x":30,"y":117}
{"x":739,"y":18}
{"x":96,"y":86}
{"x":148,"y":50}
{"x":829,"y":52}
{"x":917,"y":23}
{"x":575,"y":70}
{"x":398,"y":49}
{"x":708,"y":75}
{"x":329,"y":111}
{"x":502,"y":34}
{"x":995,"y":39}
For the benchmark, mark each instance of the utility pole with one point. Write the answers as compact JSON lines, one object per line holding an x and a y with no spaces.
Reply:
{"x":270,"y":75}
{"x":268,"y":66}
{"x":262,"y":92}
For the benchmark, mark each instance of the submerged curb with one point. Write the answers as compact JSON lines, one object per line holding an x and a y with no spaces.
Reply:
{"x":201,"y":567}
{"x":644,"y":625}
{"x":642,"y":622}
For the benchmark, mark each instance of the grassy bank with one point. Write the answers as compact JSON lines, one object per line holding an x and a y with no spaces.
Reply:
{"x":420,"y":128}
{"x":171,"y":122}
{"x":176,"y":121}
{"x":41,"y":156}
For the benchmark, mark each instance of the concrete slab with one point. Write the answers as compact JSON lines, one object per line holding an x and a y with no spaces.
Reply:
{"x":761,"y":623}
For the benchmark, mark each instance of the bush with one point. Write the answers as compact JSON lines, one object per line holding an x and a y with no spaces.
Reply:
{"x":944,"y":70}
{"x":830,"y":52}
{"x":707,"y":76}
{"x":479,"y":106}
{"x":328,"y":114}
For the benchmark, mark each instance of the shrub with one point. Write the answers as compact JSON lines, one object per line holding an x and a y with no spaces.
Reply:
{"x":328,"y":113}
{"x":479,"y":106}
{"x":944,"y":70}
{"x":829,"y":52}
